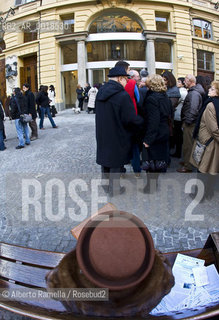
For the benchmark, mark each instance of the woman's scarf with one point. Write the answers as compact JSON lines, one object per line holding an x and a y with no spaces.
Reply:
{"x":215,"y":101}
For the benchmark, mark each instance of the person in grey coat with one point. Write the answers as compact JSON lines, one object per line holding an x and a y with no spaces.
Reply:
{"x":116,"y":121}
{"x":189,"y":114}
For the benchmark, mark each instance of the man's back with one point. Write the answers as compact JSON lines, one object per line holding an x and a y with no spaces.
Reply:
{"x":31,"y":103}
{"x":114,"y":116}
{"x":191,"y":106}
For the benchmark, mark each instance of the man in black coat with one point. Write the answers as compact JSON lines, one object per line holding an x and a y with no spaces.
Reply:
{"x":31,"y":105}
{"x":116,"y":122}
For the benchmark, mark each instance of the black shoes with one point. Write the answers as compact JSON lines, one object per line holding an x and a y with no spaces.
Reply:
{"x":19,"y":147}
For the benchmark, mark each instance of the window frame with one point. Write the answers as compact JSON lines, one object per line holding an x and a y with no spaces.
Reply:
{"x":30,"y":35}
{"x":202,"y":21}
{"x":68,"y":20}
{"x":205,"y":61}
{"x":22,"y":2}
{"x":162,"y":15}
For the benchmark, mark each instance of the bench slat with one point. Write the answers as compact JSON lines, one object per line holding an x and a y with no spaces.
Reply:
{"x":31,"y":256}
{"x":28,"y":275}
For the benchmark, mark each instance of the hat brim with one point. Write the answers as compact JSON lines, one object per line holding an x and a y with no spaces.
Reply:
{"x":82,"y":251}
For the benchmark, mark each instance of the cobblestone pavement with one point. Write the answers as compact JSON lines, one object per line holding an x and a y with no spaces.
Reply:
{"x":58,"y":172}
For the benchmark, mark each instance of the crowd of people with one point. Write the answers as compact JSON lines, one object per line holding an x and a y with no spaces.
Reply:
{"x":23,"y":108}
{"x":141,"y":119}
{"x":86,"y":97}
{"x":147,"y":119}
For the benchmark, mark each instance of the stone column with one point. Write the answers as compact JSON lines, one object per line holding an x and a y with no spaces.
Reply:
{"x":90,"y":76}
{"x":81,"y":54}
{"x":150,"y":55}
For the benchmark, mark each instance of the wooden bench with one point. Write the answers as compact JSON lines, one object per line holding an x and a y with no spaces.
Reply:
{"x":22,"y":267}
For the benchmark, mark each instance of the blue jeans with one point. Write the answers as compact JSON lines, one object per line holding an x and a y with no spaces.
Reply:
{"x":2,"y":145}
{"x":43,"y":110}
{"x":22,"y":129}
{"x":136,"y":158}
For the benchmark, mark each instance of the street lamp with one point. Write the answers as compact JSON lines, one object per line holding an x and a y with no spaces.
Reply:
{"x":3,"y":20}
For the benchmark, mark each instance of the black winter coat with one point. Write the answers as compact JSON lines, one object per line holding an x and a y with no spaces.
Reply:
{"x":15,"y":113}
{"x":157,"y":114}
{"x":80,"y":93}
{"x":1,"y":117}
{"x":116,"y":121}
{"x":192,"y":104}
{"x":42,"y":99}
{"x":31,"y":103}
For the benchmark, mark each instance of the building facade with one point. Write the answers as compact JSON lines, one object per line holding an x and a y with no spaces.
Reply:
{"x":66,"y":42}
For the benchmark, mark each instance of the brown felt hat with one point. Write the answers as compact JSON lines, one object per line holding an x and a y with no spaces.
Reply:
{"x":116,"y":251}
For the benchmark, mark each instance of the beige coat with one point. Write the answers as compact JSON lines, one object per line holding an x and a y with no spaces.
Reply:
{"x":208,"y":128}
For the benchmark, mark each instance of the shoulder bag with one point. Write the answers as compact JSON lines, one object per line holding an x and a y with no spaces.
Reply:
{"x":199,"y":150}
{"x":24,"y":118}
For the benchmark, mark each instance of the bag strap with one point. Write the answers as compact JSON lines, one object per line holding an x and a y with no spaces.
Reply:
{"x":209,"y":141}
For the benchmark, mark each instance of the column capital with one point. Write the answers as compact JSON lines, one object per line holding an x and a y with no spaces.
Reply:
{"x":76,"y":36}
{"x":153,"y":35}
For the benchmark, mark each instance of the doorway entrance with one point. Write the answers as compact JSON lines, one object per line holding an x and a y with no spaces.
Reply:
{"x":28,"y":73}
{"x":70,"y":81}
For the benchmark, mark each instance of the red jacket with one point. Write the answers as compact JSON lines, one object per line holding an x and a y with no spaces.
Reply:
{"x":130,"y":88}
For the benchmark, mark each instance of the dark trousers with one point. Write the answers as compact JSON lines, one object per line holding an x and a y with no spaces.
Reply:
{"x":178,"y":137}
{"x":113,"y":176}
{"x":4,"y":135}
{"x":90,"y":109}
{"x":33,"y":127}
{"x":187,"y":144}
{"x":53,"y":111}
{"x":136,"y":165}
{"x":2,"y":145}
{"x":80,"y":104}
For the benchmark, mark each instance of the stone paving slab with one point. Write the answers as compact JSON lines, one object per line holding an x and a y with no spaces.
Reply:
{"x":62,"y":169}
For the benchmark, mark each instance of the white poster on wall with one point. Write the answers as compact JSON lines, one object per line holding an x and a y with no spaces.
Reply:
{"x":11,"y":73}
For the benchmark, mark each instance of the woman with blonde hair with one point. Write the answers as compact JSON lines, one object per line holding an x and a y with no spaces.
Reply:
{"x":207,"y":133}
{"x":157,"y":111}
